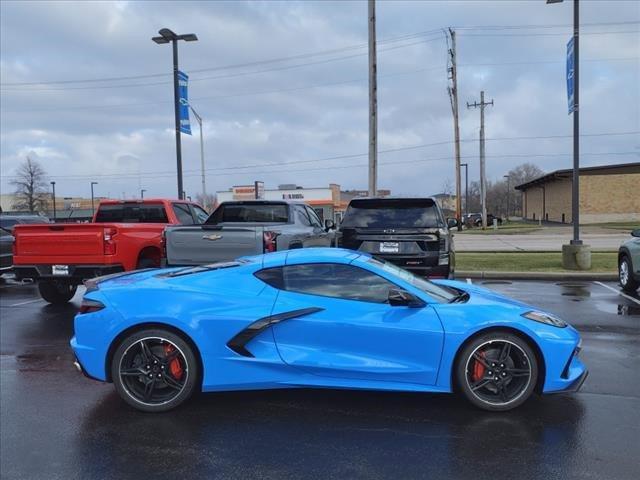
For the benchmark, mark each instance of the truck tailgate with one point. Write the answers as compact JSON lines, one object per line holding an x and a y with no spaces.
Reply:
{"x":58,"y":243}
{"x":199,"y":245}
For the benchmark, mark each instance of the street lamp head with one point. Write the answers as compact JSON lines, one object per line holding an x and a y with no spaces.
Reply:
{"x":506,"y":176}
{"x":52,"y":183}
{"x":167,"y":33}
{"x":160,"y":40}
{"x":463,"y":165}
{"x":188,"y":37}
{"x":94,"y":183}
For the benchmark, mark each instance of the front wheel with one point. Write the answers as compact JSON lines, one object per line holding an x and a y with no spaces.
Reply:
{"x":154,"y":370}
{"x":56,"y":293}
{"x":625,"y":275}
{"x":497,"y":371}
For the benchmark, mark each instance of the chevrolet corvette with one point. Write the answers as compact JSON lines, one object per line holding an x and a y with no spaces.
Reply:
{"x":316,"y":318}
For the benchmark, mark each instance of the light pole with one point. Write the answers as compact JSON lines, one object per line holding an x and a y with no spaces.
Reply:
{"x":507,"y":177}
{"x":53,"y":197}
{"x":199,"y":119}
{"x":466,"y":188}
{"x":142,"y":194}
{"x":93,"y":210}
{"x":167,"y":36}
{"x":574,"y":255}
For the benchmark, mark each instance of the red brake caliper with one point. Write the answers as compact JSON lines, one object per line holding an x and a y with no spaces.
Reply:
{"x":478,"y":369}
{"x":174,"y":365}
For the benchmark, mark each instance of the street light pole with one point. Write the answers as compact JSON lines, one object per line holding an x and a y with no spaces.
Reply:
{"x":199,"y":119}
{"x":466,"y":188}
{"x":167,"y":36}
{"x":142,"y":194}
{"x":507,"y":177}
{"x":93,"y":210}
{"x":53,"y":197}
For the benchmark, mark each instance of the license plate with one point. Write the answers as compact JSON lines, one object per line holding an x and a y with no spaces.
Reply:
{"x":60,"y":269}
{"x":389,"y":247}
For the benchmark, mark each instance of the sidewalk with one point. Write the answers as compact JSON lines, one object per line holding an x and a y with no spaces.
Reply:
{"x":533,"y":242}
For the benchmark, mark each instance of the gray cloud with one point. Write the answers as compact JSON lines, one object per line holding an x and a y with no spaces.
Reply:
{"x":123,"y":137}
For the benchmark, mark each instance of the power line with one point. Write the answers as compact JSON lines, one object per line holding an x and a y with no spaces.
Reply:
{"x":313,"y":54}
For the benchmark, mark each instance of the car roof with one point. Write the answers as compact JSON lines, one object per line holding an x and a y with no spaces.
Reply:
{"x":305,"y":255}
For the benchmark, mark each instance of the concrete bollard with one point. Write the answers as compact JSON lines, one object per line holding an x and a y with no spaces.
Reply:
{"x":576,"y":257}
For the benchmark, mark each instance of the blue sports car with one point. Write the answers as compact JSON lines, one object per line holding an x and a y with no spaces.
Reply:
{"x":319,"y":317}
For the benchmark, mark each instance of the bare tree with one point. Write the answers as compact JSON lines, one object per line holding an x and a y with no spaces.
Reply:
{"x":30,"y":187}
{"x":207,"y":201}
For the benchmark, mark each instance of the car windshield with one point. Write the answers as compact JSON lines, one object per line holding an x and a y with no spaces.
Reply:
{"x":392,"y":213}
{"x":437,"y":292}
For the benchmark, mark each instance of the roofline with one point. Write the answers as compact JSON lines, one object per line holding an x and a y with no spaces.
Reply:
{"x":567,"y":172}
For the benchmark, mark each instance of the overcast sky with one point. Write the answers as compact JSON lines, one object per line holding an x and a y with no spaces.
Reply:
{"x":282,"y":88}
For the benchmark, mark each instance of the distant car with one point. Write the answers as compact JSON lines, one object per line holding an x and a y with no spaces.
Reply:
{"x":629,"y":263}
{"x":409,"y":232}
{"x":317,"y":318}
{"x":490,"y":218}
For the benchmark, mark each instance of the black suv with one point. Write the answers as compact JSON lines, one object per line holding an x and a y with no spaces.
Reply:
{"x":408,"y":232}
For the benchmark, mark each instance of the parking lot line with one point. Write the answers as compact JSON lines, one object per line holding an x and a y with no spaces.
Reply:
{"x":628,"y":297}
{"x":26,"y":303}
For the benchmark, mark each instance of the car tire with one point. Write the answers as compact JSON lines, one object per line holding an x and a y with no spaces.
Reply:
{"x":493,"y":382}
{"x":146,"y":381}
{"x":146,"y":263}
{"x":56,"y":293}
{"x":625,"y":275}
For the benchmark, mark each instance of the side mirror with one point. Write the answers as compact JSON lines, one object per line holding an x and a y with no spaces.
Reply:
{"x":329,"y":224}
{"x":635,"y":233}
{"x":402,"y":298}
{"x":452,"y":223}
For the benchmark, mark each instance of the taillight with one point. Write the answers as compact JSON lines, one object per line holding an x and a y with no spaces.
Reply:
{"x":89,"y":306}
{"x":109,"y":243}
{"x":269,"y":241}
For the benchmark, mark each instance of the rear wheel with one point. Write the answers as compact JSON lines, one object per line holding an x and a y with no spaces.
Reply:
{"x":154,"y":370}
{"x":625,"y":275}
{"x":56,"y":293}
{"x":497,"y":371}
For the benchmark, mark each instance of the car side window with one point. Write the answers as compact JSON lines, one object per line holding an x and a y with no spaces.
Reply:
{"x":199,"y":213}
{"x":347,"y":281}
{"x":315,"y":221}
{"x":301,"y":216}
{"x":183,"y":213}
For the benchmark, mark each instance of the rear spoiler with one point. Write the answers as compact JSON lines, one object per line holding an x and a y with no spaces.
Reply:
{"x":92,"y":284}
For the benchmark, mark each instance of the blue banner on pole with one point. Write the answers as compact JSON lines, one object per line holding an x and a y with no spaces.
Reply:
{"x":570,"y":75}
{"x":183,"y":98}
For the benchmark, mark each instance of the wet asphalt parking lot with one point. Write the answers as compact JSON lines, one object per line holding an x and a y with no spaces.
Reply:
{"x":55,"y":423}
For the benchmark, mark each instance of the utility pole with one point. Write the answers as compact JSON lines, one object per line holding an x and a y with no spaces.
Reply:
{"x":199,"y":119}
{"x":53,"y":197}
{"x":483,"y":179}
{"x":93,"y":210}
{"x":373,"y":103}
{"x":466,"y":187}
{"x":167,"y":36}
{"x":508,"y":192}
{"x":453,"y":96}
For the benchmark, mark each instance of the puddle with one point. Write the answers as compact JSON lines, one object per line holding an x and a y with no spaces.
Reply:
{"x":497,"y":282}
{"x":33,"y":362}
{"x":629,"y":310}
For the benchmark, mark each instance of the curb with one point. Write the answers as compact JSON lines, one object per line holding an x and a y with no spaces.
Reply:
{"x":585,"y":276}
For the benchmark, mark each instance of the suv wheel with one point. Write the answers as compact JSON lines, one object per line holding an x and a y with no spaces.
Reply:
{"x":625,"y":275}
{"x":56,"y":293}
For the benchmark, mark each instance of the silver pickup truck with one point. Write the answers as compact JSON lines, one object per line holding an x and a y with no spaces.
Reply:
{"x":249,"y":227}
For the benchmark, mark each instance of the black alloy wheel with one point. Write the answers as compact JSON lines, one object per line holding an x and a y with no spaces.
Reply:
{"x":497,"y":371}
{"x":154,"y":370}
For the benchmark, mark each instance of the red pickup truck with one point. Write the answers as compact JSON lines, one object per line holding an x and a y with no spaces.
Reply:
{"x":124,"y":235}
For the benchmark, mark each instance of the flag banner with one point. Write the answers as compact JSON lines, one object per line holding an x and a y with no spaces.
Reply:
{"x":183,"y":98}
{"x":570,"y":75}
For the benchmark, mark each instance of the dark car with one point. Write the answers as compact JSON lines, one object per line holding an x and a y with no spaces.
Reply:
{"x":7,"y":222}
{"x":408,"y":232}
{"x":475,"y":219}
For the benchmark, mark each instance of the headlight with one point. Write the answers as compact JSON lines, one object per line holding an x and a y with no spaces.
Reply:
{"x":544,"y":318}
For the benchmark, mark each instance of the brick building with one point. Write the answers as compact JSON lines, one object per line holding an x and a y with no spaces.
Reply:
{"x":608,"y":193}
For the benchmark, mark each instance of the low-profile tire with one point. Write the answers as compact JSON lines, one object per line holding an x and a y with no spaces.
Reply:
{"x":56,"y":293}
{"x":625,"y":275}
{"x":145,"y":372}
{"x":497,"y":371}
